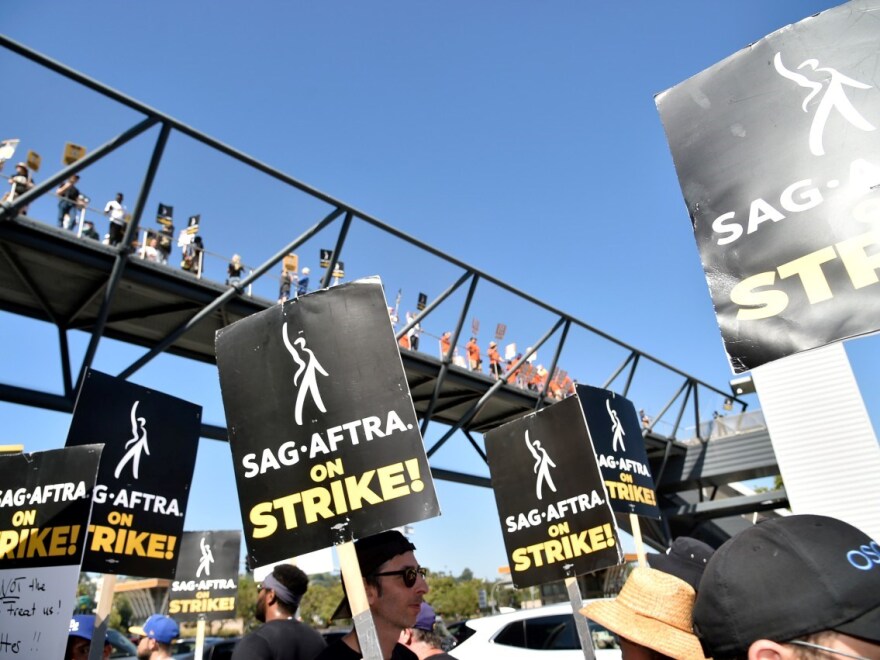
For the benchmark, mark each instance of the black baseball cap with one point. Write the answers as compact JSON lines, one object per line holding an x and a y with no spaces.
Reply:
{"x":786,"y":578}
{"x":372,"y":552}
{"x":686,"y":560}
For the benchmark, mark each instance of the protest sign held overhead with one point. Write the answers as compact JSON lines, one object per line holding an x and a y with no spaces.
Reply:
{"x":616,"y":434}
{"x":777,"y":150}
{"x":206,"y":581}
{"x":554,"y":511}
{"x":324,"y":437}
{"x":143,"y":485}
{"x":45,"y":503}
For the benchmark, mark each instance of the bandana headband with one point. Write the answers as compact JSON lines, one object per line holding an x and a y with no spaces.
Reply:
{"x":283,"y":593}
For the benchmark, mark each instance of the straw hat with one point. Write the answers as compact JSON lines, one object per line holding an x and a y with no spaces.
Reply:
{"x":653,"y":609}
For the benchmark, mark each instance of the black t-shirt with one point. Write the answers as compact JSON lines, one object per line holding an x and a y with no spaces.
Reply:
{"x":281,"y":639}
{"x":72,"y":193}
{"x":339,"y":650}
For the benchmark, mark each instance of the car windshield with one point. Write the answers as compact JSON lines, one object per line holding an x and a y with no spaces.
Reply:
{"x":122,"y":646}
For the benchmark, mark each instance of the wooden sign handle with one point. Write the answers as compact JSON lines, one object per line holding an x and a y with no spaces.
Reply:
{"x":637,"y":536}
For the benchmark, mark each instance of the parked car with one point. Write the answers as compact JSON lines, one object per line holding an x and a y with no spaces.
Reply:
{"x":543,"y":632}
{"x":330,"y":635}
{"x":123,"y":648}
{"x":215,"y":648}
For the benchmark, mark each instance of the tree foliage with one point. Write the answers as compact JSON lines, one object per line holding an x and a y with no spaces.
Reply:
{"x":246,"y":603}
{"x":321,"y":600}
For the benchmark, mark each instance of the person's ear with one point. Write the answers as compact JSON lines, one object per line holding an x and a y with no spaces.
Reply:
{"x":372,"y":592}
{"x":764,"y":649}
{"x":405,"y":636}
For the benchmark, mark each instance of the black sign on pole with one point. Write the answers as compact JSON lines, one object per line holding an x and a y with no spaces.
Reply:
{"x":423,"y":302}
{"x":325,"y":257}
{"x":324,"y":436}
{"x":45,"y":503}
{"x":192,"y":224}
{"x":777,"y":150}
{"x":165,"y":215}
{"x":554,"y":510}
{"x":206,"y":581}
{"x":150,"y":443}
{"x":616,"y":434}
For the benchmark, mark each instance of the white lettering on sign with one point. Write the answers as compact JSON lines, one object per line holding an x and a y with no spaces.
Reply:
{"x":287,"y":454}
{"x":202,"y":585}
{"x":555,"y":511}
{"x":65,"y":492}
{"x":800,"y":196}
{"x":135,"y":499}
{"x":624,"y":464}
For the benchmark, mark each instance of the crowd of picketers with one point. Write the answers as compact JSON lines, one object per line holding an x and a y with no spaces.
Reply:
{"x":788,"y":588}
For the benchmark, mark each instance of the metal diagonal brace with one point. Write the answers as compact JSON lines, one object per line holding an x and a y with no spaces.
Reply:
{"x":447,"y":359}
{"x":666,"y":408}
{"x":539,"y":403}
{"x":470,"y":414}
{"x":434,"y":303}
{"x":223,"y":298}
{"x":122,"y":253}
{"x":619,"y":369}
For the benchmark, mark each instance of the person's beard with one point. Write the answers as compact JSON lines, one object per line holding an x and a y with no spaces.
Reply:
{"x":261,"y":609}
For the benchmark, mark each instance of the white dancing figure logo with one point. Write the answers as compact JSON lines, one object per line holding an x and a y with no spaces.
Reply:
{"x":834,"y":98}
{"x":136,"y":446}
{"x":617,"y":431}
{"x":308,"y":370}
{"x":543,"y":463}
{"x":206,"y":560}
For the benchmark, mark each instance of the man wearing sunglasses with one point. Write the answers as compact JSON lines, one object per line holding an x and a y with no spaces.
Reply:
{"x":281,"y":637}
{"x":395,"y":586}
{"x":802,"y":586}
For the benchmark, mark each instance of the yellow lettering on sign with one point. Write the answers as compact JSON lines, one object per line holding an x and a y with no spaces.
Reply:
{"x":631,"y":493}
{"x":182,"y":606}
{"x":563,"y":548}
{"x":39,"y":542}
{"x":123,"y":541}
{"x":757,"y":300}
{"x":336,"y":497}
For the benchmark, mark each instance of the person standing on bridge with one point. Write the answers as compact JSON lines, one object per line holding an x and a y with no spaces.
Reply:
{"x":475,"y":362}
{"x":494,"y":361}
{"x":281,"y":637}
{"x":445,"y":344}
{"x":116,"y":212}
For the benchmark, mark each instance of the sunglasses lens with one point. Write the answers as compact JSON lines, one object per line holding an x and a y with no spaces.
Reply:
{"x":411,"y":574}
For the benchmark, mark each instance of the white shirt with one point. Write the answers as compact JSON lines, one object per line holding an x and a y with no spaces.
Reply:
{"x":116,"y":211}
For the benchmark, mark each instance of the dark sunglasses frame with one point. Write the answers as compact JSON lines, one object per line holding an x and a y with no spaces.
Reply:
{"x":409,"y":575}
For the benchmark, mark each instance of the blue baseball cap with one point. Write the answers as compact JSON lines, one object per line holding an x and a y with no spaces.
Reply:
{"x":82,"y":625}
{"x":162,"y":628}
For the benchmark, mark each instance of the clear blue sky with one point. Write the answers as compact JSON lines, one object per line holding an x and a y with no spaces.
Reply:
{"x":520,"y":137}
